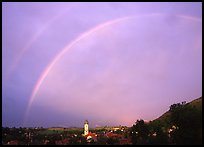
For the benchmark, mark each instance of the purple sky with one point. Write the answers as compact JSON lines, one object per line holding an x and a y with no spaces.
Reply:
{"x":110,"y":63}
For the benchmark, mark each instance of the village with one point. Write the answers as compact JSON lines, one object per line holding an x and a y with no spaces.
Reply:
{"x":65,"y":136}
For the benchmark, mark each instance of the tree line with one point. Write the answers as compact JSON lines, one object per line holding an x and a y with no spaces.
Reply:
{"x":183,"y":126}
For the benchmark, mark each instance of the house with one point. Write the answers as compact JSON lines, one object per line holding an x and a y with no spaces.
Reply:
{"x":91,"y":137}
{"x":13,"y":142}
{"x":62,"y":142}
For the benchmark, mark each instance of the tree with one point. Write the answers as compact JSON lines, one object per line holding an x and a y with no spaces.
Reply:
{"x":188,"y":124}
{"x":139,"y":132}
{"x":157,"y":134}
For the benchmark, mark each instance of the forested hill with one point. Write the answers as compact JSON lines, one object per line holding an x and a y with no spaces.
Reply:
{"x":181,"y":125}
{"x":185,"y":122}
{"x":196,"y":103}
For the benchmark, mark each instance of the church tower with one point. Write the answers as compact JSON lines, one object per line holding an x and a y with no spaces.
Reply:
{"x":86,"y":127}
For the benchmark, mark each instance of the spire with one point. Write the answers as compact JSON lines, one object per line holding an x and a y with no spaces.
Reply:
{"x":86,"y":127}
{"x":86,"y":122}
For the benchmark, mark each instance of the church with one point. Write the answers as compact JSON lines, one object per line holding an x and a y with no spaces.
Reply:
{"x":86,"y":127}
{"x":88,"y":135}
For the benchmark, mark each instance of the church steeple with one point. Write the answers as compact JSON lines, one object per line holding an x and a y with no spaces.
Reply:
{"x":86,"y":127}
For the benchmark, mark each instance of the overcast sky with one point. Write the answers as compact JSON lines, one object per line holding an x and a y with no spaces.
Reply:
{"x":110,"y":63}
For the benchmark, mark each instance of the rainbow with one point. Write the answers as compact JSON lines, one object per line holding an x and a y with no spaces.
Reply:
{"x":77,"y":40}
{"x":64,"y":50}
{"x":33,"y":39}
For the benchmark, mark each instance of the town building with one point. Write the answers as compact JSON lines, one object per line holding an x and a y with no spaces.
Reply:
{"x":86,"y":127}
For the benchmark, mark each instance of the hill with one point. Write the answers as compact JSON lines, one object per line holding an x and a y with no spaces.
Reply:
{"x":197,"y":103}
{"x":164,"y":119}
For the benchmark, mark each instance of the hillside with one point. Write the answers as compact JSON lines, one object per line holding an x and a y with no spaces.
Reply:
{"x":197,"y":103}
{"x":164,"y":119}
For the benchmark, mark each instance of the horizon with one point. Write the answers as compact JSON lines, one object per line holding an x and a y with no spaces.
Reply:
{"x":91,"y":127}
